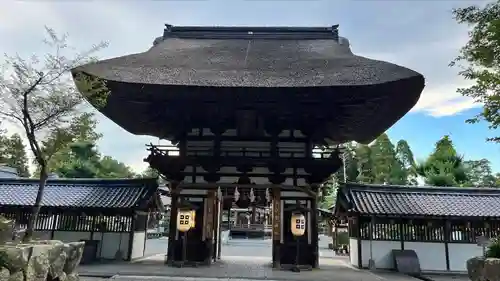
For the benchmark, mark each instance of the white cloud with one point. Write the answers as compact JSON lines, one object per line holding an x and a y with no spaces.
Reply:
{"x":443,"y":100}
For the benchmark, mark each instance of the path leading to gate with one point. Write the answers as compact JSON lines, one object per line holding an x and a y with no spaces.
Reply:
{"x":237,"y":247}
{"x":235,"y":268}
{"x":241,"y":260}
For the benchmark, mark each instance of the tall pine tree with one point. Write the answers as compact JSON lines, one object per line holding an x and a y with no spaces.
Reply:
{"x":386,"y":168}
{"x":444,"y":167}
{"x":405,"y":157}
{"x":365,"y":164}
{"x":15,"y":153}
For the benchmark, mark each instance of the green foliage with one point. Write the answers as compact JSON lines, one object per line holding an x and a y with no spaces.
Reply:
{"x":443,"y":167}
{"x":149,"y":173}
{"x":83,"y":161}
{"x":382,"y":163}
{"x":482,"y":56}
{"x":405,"y":157}
{"x":387,"y":169}
{"x":58,"y":143}
{"x":493,"y":250}
{"x":479,"y":173}
{"x":329,"y":192}
{"x":343,"y":238}
{"x":13,"y":154}
{"x":110,"y":168}
{"x":365,"y":164}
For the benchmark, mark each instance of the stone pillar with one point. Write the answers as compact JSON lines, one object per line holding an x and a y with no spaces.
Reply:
{"x":216,"y":227}
{"x":219,"y":239}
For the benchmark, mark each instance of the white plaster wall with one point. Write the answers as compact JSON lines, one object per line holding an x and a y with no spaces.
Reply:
{"x":353,"y":251}
{"x":138,"y":244}
{"x":460,"y":253}
{"x":381,"y":253}
{"x":432,"y":256}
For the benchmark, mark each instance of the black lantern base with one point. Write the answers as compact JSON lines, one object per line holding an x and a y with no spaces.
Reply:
{"x":297,"y":255}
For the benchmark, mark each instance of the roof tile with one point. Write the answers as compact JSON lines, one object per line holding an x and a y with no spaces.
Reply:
{"x":422,"y":201}
{"x":81,"y":193}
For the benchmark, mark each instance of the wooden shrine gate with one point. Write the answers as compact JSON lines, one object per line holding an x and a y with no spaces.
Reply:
{"x":203,"y":244}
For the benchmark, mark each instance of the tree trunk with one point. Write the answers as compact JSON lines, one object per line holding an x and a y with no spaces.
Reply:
{"x":37,"y":206}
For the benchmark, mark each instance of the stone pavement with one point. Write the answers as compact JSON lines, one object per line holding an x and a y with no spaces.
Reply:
{"x":447,"y":277}
{"x":241,"y":260}
{"x":234,"y":268}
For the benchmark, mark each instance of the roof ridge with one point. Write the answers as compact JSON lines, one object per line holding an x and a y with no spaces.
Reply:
{"x":95,"y":193}
{"x":365,"y":186}
{"x":78,"y":180}
{"x":437,"y":192}
{"x":250,"y":32}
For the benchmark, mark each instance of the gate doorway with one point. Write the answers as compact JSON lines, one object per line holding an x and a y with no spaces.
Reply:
{"x":246,"y":233}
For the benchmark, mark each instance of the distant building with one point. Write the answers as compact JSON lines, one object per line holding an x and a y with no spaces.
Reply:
{"x":8,"y":172}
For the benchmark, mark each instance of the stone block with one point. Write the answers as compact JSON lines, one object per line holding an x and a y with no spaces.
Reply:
{"x":40,"y":260}
{"x":6,"y":230}
{"x":481,"y":269}
{"x":491,"y":271}
{"x":475,"y":268}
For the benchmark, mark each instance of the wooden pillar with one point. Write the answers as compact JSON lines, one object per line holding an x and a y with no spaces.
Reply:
{"x":447,"y":238}
{"x":131,"y":237}
{"x":335,"y":235}
{"x":208,"y":224}
{"x":172,"y":227}
{"x":276,"y":220}
{"x":314,"y":232}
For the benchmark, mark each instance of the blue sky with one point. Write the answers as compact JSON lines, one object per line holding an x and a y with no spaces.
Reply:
{"x":417,"y":34}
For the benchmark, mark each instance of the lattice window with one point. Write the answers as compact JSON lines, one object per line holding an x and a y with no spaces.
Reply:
{"x":468,"y":231}
{"x":386,"y":230}
{"x":73,"y":222}
{"x":397,"y":230}
{"x":423,"y":230}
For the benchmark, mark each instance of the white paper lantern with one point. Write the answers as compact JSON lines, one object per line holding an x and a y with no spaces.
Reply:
{"x":298,"y":224}
{"x":184,"y":220}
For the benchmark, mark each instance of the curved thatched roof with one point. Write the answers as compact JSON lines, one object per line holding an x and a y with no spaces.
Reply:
{"x":190,"y":65}
{"x":248,"y":62}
